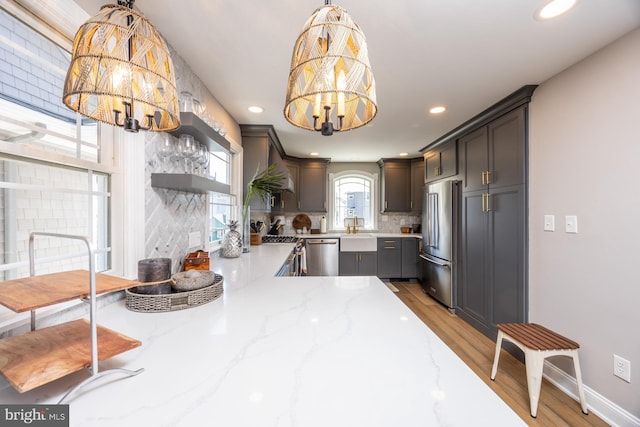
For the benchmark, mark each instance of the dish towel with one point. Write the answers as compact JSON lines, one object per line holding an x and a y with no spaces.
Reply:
{"x":302,"y":256}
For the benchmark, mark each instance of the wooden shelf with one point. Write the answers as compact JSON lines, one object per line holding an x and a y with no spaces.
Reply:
{"x":34,"y":292}
{"x":39,"y":357}
{"x":187,"y":182}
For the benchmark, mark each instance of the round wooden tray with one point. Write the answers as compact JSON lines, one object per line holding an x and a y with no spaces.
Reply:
{"x":301,"y":221}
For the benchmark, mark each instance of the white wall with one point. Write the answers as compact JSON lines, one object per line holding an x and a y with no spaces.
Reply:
{"x":585,"y":160}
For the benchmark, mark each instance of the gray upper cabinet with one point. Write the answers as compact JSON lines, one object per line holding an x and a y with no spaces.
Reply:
{"x":395,"y":185}
{"x":312,"y":195}
{"x":494,"y":155}
{"x":441,"y":162}
{"x":256,"y":146}
{"x":417,"y":184}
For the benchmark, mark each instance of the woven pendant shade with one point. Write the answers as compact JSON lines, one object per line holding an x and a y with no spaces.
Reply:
{"x":330,"y":68}
{"x":120,"y":63}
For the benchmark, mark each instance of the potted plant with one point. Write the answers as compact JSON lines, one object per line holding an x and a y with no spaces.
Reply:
{"x":263,"y":184}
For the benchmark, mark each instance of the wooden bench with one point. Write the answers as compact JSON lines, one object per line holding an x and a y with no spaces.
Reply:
{"x":538,"y":343}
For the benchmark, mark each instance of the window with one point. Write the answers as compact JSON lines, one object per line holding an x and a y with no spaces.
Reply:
{"x":220,"y":207}
{"x":52,"y":178}
{"x":352,"y":195}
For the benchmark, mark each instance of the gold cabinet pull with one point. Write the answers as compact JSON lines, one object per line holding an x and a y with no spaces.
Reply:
{"x":488,"y":179}
{"x":483,"y":194}
{"x":483,"y":183}
{"x":488,"y":202}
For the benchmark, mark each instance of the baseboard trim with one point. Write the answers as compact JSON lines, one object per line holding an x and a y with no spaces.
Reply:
{"x":598,"y":404}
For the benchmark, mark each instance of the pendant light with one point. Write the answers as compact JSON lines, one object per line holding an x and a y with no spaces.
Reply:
{"x":331,"y":86}
{"x":121,"y":72}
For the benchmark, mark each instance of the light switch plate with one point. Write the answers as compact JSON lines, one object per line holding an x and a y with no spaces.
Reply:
{"x":571,"y":224}
{"x":549,"y":223}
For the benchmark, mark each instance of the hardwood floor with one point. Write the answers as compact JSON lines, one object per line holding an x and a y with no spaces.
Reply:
{"x":555,"y":408}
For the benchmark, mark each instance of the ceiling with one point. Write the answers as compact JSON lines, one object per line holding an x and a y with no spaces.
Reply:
{"x":464,"y":54}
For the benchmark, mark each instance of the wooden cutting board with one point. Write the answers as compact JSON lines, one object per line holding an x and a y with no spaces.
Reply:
{"x":301,"y":221}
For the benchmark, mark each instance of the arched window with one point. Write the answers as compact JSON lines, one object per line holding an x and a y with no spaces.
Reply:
{"x":352,"y":195}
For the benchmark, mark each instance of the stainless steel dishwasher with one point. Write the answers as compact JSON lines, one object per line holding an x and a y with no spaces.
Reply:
{"x":322,"y":256}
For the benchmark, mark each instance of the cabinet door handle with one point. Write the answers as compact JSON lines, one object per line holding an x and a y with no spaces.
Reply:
{"x":298,"y":204}
{"x":282,"y":204}
{"x":483,"y":183}
{"x":488,"y":177}
{"x":483,"y":194}
{"x":273,"y":201}
{"x":488,"y":202}
{"x":386,"y":205}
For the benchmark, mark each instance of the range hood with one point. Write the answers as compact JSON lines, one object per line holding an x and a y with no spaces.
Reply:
{"x":281,"y":168}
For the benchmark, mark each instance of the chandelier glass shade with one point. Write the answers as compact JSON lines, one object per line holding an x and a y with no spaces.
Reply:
{"x":331,"y":86}
{"x":121,"y":72}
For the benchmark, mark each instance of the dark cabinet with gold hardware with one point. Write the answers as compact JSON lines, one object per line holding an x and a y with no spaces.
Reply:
{"x":358,"y":264}
{"x":492,"y":285}
{"x":389,"y":258}
{"x":441,"y":162}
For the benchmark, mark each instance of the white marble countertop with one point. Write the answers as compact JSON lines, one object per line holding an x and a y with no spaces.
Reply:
{"x":307,"y":351}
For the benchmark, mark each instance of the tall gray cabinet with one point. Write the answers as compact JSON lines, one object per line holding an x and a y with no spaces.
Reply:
{"x":491,"y":284}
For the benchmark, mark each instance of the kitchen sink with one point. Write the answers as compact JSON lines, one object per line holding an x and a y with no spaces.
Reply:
{"x":360,"y":242}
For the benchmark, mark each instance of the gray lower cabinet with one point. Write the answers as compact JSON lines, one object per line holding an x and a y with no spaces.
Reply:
{"x":398,"y":258}
{"x":410,"y":258}
{"x":358,"y":264}
{"x":389,"y":258}
{"x":491,"y":289}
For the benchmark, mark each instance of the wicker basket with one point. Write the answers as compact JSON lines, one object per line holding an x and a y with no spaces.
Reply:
{"x":174,"y":301}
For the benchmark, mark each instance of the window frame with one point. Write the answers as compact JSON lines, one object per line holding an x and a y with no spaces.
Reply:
{"x":372,"y":178}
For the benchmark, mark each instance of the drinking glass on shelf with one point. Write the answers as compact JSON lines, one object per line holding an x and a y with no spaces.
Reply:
{"x":186,"y":102}
{"x":186,"y":145}
{"x":194,"y":152}
{"x":165,"y":148}
{"x":203,"y":160}
{"x":199,"y":109}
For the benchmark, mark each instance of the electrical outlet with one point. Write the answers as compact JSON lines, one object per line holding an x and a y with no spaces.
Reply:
{"x":194,"y":239}
{"x":621,"y":368}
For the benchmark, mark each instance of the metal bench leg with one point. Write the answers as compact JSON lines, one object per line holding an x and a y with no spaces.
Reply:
{"x":496,"y":358}
{"x":534,"y":362}
{"x":576,"y":365}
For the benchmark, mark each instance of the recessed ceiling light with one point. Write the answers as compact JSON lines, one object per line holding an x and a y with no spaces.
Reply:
{"x":256,"y":109}
{"x":437,"y":110}
{"x":555,"y":8}
{"x":314,"y":154}
{"x":404,"y":154}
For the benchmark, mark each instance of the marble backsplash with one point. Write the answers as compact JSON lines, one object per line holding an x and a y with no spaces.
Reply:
{"x":386,"y":223}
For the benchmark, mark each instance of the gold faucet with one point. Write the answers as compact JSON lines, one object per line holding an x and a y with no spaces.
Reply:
{"x":355,"y":224}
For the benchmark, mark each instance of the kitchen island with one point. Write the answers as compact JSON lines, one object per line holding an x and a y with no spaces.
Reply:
{"x":290,"y":351}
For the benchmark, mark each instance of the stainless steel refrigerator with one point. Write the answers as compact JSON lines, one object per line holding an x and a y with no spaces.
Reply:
{"x":439,"y":236}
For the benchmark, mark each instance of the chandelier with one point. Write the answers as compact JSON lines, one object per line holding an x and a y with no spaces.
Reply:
{"x":121,"y":72}
{"x":331,"y":86}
